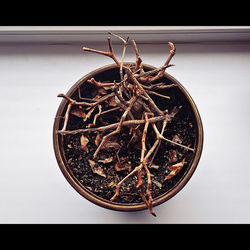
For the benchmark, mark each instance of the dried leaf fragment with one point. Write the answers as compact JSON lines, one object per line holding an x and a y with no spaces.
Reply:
{"x":98,"y":139}
{"x":172,"y":156}
{"x":123,"y":164}
{"x":111,"y":145}
{"x":175,"y":169}
{"x":154,"y":166}
{"x":89,"y":113}
{"x":78,"y":111}
{"x":111,"y":184}
{"x":176,"y":138}
{"x":92,"y":163}
{"x":112,"y":102}
{"x":107,"y":160}
{"x":96,"y":168}
{"x":157,"y":183}
{"x":84,"y":141}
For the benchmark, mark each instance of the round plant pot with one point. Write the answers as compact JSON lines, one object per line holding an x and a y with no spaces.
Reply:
{"x":110,"y":73}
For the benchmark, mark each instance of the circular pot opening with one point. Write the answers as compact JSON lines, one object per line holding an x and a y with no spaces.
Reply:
{"x":97,"y":179}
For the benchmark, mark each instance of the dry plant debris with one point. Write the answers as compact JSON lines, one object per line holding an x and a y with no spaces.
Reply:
{"x":132,"y":113}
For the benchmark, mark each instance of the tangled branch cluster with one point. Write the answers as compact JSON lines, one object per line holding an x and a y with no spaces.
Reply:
{"x":134,"y":90}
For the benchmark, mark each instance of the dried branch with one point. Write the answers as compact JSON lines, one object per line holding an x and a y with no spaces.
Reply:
{"x":73,"y":102}
{"x":166,"y":65}
{"x":159,"y":86}
{"x":119,"y":37}
{"x":101,"y":85}
{"x":144,"y":134}
{"x":144,"y":164}
{"x":109,"y":53}
{"x":66,"y":117}
{"x":163,"y":138}
{"x":129,"y":123}
{"x":148,"y":191}
{"x":109,"y":110}
{"x":155,"y":93}
{"x":132,"y":97}
{"x":125,"y":43}
{"x":138,"y":58}
{"x":96,"y":116}
{"x":136,"y":169}
{"x":143,"y":75}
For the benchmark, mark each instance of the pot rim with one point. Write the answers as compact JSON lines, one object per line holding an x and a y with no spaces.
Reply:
{"x":111,"y":204}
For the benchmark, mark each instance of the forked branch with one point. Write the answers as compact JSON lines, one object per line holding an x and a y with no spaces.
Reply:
{"x":109,"y":53}
{"x":132,"y":98}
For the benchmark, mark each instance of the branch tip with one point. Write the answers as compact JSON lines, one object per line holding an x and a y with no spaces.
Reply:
{"x":172,"y":47}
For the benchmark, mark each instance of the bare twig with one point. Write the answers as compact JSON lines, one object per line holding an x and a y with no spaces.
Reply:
{"x":155,"y":93}
{"x":109,"y":110}
{"x":129,"y":123}
{"x":101,"y":85}
{"x":132,"y":97}
{"x":148,"y":191}
{"x":100,"y":100}
{"x":170,"y":141}
{"x":138,"y":58}
{"x":159,"y":86}
{"x":166,"y":65}
{"x":109,"y":53}
{"x":136,"y":169}
{"x":66,"y":117}
{"x":125,"y":43}
{"x":119,"y":37}
{"x":143,"y":75}
{"x":96,"y":116}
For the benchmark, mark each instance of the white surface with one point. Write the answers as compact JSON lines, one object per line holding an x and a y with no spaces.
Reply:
{"x":32,"y":187}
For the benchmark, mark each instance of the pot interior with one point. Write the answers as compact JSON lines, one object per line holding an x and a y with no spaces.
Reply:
{"x":185,"y":128}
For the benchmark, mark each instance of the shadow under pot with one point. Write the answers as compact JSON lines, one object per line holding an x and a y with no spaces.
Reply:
{"x":109,"y":178}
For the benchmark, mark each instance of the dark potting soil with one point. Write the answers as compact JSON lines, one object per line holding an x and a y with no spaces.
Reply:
{"x":121,"y":156}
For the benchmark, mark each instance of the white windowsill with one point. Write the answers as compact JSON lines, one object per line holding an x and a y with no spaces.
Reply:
{"x":142,"y":34}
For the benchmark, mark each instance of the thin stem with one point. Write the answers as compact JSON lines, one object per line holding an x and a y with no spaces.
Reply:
{"x":66,"y":117}
{"x":162,"y":131}
{"x":178,"y":144}
{"x":151,"y":72}
{"x":138,"y":58}
{"x":143,"y":139}
{"x":148,"y":191}
{"x":159,"y":86}
{"x":109,"y":110}
{"x":129,"y":123}
{"x":100,"y":84}
{"x":163,"y":138}
{"x":155,"y":93}
{"x":109,"y":53}
{"x":98,"y":101}
{"x":124,"y":179}
{"x":166,"y":64}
